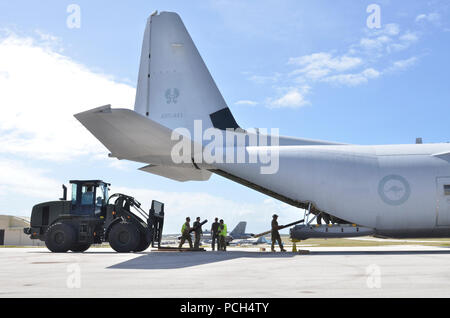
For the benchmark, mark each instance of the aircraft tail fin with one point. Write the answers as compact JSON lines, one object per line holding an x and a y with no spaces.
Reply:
{"x":239,"y":229}
{"x":174,"y":86}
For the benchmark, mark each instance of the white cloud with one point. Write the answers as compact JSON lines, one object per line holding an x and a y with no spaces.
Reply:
{"x":391,"y":29}
{"x":430,"y":17}
{"x":402,"y":65}
{"x":353,"y":79}
{"x":378,"y":43}
{"x":318,"y":65}
{"x":378,"y":39}
{"x":122,"y":165}
{"x":293,"y":98}
{"x":18,"y":178}
{"x":388,"y":29}
{"x":259,"y":79}
{"x":246,"y":103}
{"x":409,"y":37}
{"x":365,"y":55}
{"x":356,"y":66}
{"x":375,"y":43}
{"x":404,"y":42}
{"x":41,"y":90}
{"x":49,"y":41}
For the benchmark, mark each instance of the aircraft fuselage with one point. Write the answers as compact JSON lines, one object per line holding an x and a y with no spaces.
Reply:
{"x":398,"y":190}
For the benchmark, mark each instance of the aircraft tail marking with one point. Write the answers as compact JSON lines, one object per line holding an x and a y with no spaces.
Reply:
{"x":174,"y":86}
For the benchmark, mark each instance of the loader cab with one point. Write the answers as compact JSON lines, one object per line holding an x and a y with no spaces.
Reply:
{"x":89,"y":198}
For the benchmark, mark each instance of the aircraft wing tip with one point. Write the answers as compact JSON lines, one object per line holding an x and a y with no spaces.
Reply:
{"x":101,"y":109}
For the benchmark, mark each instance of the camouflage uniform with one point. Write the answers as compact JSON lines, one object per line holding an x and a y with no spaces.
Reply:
{"x":214,"y":235}
{"x":276,"y":236}
{"x":222,"y":237}
{"x":185,"y":235}
{"x":198,"y":234}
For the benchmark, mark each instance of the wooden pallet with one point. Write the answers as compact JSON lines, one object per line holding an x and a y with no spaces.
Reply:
{"x":176,"y":249}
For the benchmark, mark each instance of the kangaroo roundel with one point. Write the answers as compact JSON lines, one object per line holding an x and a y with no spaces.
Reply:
{"x":172,"y":95}
{"x":394,"y":190}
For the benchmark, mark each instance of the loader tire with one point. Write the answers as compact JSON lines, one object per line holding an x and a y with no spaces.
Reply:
{"x":144,"y":243}
{"x":80,"y":247}
{"x":60,"y":238}
{"x":124,"y":237}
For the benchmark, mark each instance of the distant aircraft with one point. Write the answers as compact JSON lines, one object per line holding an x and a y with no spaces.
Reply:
{"x":237,"y":233}
{"x":399,"y":191}
{"x":252,"y":241}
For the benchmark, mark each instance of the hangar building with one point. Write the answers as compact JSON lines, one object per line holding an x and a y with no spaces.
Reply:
{"x":11,"y":232}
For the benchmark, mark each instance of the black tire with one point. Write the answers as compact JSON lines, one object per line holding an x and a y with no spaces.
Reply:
{"x":124,"y":237}
{"x":144,"y":243}
{"x":60,"y":238}
{"x":80,"y":247}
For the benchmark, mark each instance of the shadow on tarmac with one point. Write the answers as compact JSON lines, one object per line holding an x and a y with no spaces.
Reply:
{"x":173,"y":260}
{"x":170,"y":260}
{"x":368,"y":253}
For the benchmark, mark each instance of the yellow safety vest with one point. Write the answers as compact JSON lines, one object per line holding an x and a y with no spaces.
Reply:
{"x":183,"y":228}
{"x":224,"y":231}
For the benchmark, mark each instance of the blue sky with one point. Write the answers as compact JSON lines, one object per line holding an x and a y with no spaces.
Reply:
{"x":312,"y":69}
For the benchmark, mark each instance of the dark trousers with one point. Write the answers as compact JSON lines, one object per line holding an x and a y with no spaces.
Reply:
{"x":222,"y":243}
{"x":276,"y":237}
{"x":184,"y":238}
{"x":197,"y":240}
{"x":213,"y":242}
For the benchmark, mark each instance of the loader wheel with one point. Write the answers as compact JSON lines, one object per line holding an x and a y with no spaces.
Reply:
{"x":80,"y":248}
{"x":144,"y":243}
{"x":124,"y":237}
{"x":59,"y":238}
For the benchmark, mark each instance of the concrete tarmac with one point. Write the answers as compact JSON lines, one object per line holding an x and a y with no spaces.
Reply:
{"x":382,"y":271}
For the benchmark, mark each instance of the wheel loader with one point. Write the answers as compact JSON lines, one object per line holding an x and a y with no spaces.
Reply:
{"x":94,"y":217}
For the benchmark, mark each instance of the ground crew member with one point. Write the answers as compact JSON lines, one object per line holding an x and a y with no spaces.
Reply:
{"x":185,"y":233}
{"x":276,"y":235}
{"x":222,"y":236}
{"x":197,"y":232}
{"x":214,"y":234}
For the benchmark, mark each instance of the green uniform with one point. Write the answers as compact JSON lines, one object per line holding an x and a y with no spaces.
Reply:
{"x":215,"y":235}
{"x":222,"y":237}
{"x":276,"y":236}
{"x":198,"y":234}
{"x":185,"y":235}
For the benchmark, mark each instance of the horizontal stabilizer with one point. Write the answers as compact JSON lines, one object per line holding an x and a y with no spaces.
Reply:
{"x":178,"y":174}
{"x":129,"y":135}
{"x":443,"y":155}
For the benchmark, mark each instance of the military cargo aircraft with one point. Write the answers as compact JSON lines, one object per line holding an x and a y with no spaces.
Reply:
{"x":180,"y":117}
